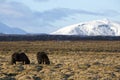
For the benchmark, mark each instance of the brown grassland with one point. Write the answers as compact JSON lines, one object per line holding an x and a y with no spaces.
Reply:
{"x":70,"y":60}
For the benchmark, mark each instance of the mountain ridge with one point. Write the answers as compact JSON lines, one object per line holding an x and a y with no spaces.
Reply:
{"x":5,"y":29}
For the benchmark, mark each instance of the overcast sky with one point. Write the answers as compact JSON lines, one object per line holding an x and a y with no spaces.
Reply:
{"x":46,"y":16}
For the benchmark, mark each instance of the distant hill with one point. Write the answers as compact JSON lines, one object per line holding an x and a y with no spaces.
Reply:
{"x":103,"y":27}
{"x":8,"y":37}
{"x":5,"y":29}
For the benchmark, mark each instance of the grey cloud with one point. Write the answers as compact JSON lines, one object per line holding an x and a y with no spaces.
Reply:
{"x":18,"y":15}
{"x":13,"y":10}
{"x":60,"y":13}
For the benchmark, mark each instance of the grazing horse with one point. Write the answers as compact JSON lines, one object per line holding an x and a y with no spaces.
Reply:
{"x":42,"y":58}
{"x":20,"y":57}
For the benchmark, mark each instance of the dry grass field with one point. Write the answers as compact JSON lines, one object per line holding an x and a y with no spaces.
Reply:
{"x":76,"y":60}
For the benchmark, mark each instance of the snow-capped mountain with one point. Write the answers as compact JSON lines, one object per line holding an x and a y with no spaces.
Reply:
{"x":5,"y":29}
{"x":103,"y":27}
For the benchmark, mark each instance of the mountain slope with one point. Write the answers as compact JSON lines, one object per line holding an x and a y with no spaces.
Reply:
{"x":103,"y":27}
{"x":4,"y":29}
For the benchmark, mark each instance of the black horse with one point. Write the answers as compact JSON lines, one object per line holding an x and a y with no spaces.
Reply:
{"x":42,"y":58}
{"x":20,"y":57}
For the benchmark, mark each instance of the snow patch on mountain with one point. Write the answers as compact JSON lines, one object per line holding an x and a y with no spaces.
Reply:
{"x":103,"y":27}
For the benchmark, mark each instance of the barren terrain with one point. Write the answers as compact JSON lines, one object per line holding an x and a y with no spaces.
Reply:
{"x":78,"y":60}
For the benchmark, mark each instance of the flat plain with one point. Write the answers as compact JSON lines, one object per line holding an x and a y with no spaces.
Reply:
{"x":70,"y":60}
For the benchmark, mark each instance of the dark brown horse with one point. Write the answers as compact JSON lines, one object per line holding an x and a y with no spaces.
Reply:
{"x":42,"y":58}
{"x":20,"y":57}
